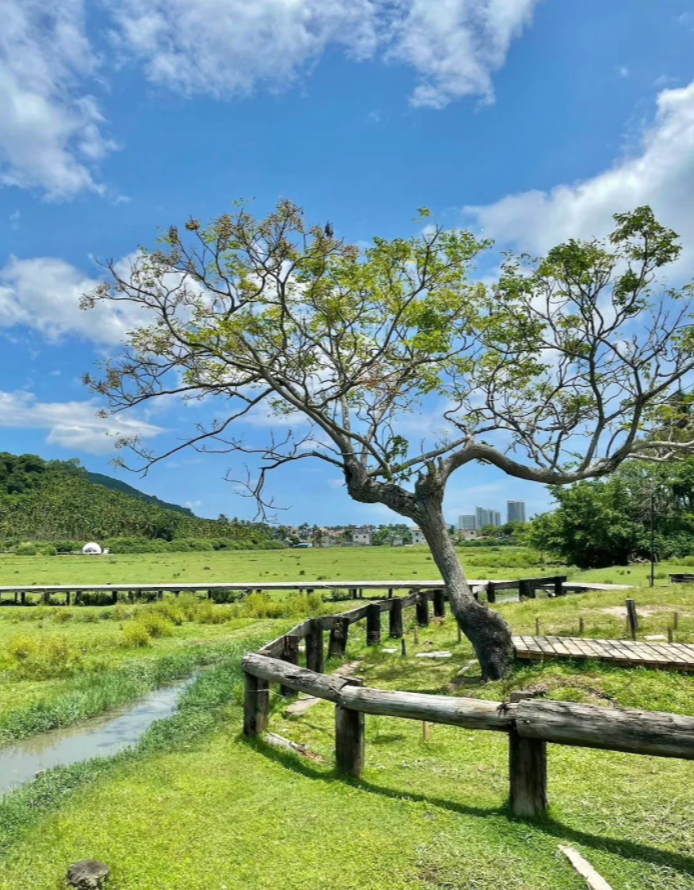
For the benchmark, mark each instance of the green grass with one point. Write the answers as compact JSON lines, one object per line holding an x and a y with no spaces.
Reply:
{"x":198,"y":807}
{"x":333,"y":564}
{"x":59,"y":665}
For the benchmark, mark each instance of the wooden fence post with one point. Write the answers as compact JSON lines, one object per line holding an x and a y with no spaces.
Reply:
{"x":256,"y":707}
{"x":114,"y":597}
{"x":349,"y":741}
{"x":315,"y":657}
{"x":527,"y":764}
{"x":491,"y":592}
{"x":67,"y":597}
{"x":395,"y":619}
{"x":439,"y":603}
{"x":522,"y":589}
{"x":422,"y":609}
{"x":559,"y":585}
{"x":373,"y":624}
{"x":23,"y":597}
{"x":632,"y":618}
{"x":290,"y":654}
{"x":337,"y":644}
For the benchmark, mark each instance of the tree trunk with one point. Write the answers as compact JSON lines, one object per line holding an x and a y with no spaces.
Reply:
{"x":486,"y":629}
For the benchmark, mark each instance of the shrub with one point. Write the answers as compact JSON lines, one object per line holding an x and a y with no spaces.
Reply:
{"x":67,"y":546}
{"x":53,"y":658}
{"x":155,"y":624}
{"x":135,"y":634}
{"x":121,"y":612}
{"x":200,"y":545}
{"x":179,"y":546}
{"x":26,"y":549}
{"x":21,"y":647}
{"x":48,"y":550}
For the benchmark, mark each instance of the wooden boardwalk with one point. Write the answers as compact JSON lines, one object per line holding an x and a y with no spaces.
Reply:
{"x":671,"y":656}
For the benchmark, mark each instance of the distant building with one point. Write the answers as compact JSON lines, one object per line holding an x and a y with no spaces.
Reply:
{"x":417,"y":536}
{"x":487,"y":517}
{"x":361,"y":537}
{"x":467,"y":523}
{"x":516,"y":511}
{"x":482,"y":517}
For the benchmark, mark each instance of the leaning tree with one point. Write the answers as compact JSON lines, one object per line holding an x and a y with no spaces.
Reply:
{"x":559,"y":371}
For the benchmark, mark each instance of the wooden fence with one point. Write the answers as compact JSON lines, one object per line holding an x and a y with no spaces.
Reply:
{"x":681,"y":578}
{"x":73,"y":594}
{"x":530,"y":725}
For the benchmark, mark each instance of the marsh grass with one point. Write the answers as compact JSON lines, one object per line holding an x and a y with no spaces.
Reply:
{"x":196,"y":807}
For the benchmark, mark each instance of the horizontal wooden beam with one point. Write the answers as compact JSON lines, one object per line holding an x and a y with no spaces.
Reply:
{"x":324,"y":686}
{"x":231,"y":585}
{"x":588,"y":726}
{"x":564,"y":723}
{"x":470,"y":713}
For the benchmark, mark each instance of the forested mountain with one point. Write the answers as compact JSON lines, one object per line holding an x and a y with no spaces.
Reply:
{"x":119,"y":485}
{"x":50,"y":500}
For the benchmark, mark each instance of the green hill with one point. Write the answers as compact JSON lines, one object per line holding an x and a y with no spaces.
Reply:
{"x":119,"y":485}
{"x":53,"y":500}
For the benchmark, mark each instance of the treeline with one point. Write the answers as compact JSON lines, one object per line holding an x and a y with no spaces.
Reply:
{"x":55,"y":501}
{"x":608,"y":522}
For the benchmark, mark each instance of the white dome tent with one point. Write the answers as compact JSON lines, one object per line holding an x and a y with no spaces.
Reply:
{"x":91,"y":549}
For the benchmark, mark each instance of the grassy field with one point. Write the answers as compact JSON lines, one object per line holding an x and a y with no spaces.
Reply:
{"x":340,"y":563}
{"x":197,"y":807}
{"x":60,"y":665}
{"x":336,"y":564}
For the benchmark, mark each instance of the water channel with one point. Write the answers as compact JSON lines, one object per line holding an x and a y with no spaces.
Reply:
{"x":101,"y":736}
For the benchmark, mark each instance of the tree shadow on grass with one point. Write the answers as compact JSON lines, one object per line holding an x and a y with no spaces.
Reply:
{"x":548,"y":825}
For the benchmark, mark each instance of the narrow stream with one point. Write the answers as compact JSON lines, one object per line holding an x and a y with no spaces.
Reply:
{"x":100,"y":736}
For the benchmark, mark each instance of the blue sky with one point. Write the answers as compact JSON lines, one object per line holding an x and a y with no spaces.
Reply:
{"x":528,"y":121}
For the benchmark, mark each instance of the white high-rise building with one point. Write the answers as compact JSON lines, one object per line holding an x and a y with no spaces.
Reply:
{"x":483,"y":517}
{"x":487,"y":517}
{"x":467,"y":523}
{"x":516,"y":511}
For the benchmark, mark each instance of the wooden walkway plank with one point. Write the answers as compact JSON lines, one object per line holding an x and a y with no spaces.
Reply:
{"x":559,"y":647}
{"x":669,"y":656}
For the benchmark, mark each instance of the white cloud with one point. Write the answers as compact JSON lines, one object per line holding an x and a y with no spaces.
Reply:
{"x":50,"y":129}
{"x":227,"y":47}
{"x":456,"y":45}
{"x":659,"y":172}
{"x":73,"y":425}
{"x":230,"y":47}
{"x":43,"y":294}
{"x":193,"y":505}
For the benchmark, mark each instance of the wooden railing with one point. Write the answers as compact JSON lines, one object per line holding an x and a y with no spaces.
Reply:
{"x":681,"y":578}
{"x":72,"y":593}
{"x":530,"y":725}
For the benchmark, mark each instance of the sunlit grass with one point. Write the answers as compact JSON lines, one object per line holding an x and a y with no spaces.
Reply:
{"x":199,"y":807}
